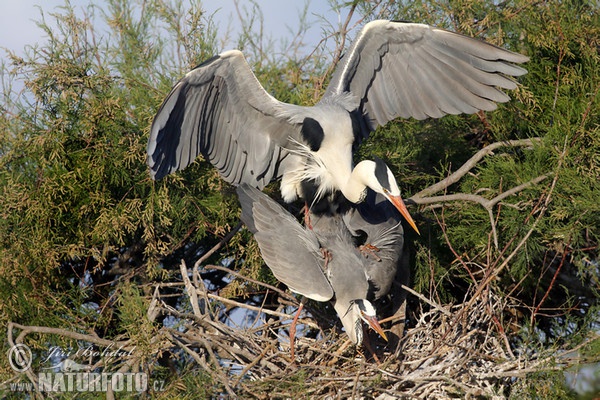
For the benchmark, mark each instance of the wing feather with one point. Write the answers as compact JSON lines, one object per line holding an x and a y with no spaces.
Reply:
{"x":413,"y":70}
{"x":291,"y":252}
{"x":220,"y":110}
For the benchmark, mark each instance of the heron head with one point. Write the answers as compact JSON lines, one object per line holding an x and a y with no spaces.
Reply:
{"x":380,"y":179}
{"x":360,"y":310}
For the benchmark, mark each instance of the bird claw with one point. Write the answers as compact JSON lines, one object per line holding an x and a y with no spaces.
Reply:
{"x":326,"y":254}
{"x":369,"y":250}
{"x":307,"y":222}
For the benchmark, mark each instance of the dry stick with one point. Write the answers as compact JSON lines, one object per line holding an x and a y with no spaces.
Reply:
{"x":552,"y":283}
{"x":258,"y":309}
{"x":442,"y":225}
{"x":28,"y":372}
{"x":203,"y":363}
{"x":216,"y":247}
{"x":242,"y":305}
{"x":420,"y":198}
{"x":488,"y":204}
{"x":252,"y":364}
{"x":341,"y":47}
{"x":253,"y":308}
{"x":481,"y":287}
{"x":541,"y":214}
{"x":199,"y":284}
{"x":25,"y":330}
{"x":241,"y":348}
{"x":496,"y":271}
{"x":355,"y":382}
{"x":470,"y":164}
{"x":191,"y":289}
{"x":426,"y":300}
{"x":215,"y":361}
{"x":238,"y":275}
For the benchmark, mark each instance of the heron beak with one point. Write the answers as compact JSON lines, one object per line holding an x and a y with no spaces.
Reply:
{"x":399,"y":204}
{"x":373,"y":323}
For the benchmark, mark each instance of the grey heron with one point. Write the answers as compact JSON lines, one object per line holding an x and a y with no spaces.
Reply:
{"x":392,"y":69}
{"x":296,"y":257}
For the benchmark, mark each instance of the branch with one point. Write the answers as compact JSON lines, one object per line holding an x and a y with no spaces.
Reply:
{"x":469,"y":165}
{"x":421,"y":197}
{"x":270,"y":287}
{"x":25,"y":330}
{"x":541,"y":212}
{"x":486,"y":203}
{"x":259,"y":309}
{"x":216,"y":247}
{"x":191,"y":290}
{"x":194,"y":291}
{"x":426,"y":300}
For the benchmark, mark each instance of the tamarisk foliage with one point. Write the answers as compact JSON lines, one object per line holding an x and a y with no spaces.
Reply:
{"x":504,"y":279}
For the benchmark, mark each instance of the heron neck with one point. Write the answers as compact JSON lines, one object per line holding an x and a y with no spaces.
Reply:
{"x":351,"y":321}
{"x":356,"y":186}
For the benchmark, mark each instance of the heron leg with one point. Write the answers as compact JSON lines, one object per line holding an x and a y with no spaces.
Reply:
{"x":368,"y":249}
{"x":293,"y":328}
{"x":307,"y":222}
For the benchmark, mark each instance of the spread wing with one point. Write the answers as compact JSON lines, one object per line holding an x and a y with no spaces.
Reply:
{"x":221,"y":111}
{"x":291,"y":252}
{"x":407,"y":70}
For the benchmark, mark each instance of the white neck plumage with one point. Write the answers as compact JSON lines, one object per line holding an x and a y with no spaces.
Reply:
{"x":355,"y":189}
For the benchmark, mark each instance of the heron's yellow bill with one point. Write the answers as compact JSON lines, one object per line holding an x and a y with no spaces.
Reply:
{"x":373,"y":323}
{"x":399,"y":204}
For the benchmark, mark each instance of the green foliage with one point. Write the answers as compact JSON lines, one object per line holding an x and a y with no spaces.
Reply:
{"x":543,"y":385}
{"x":77,"y":202}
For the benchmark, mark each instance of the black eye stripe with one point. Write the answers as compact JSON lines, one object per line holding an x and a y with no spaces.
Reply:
{"x":381,"y":174}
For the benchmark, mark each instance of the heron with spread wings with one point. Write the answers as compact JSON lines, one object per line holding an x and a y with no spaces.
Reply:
{"x":393,"y":69}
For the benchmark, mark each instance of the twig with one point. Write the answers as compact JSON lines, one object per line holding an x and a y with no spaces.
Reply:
{"x":252,"y":364}
{"x":25,"y":330}
{"x":552,"y":283}
{"x":496,"y":271}
{"x":238,"y":275}
{"x":442,"y":225}
{"x":487,"y":204}
{"x":426,"y":300}
{"x":191,"y":290}
{"x":216,"y":247}
{"x":422,"y":196}
{"x":469,"y":165}
{"x":259,"y":309}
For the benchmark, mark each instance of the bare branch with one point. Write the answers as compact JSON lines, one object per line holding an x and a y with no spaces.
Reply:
{"x":191,"y":290}
{"x":216,"y":247}
{"x":422,"y":199}
{"x":270,"y":287}
{"x":26,"y":330}
{"x":469,"y":165}
{"x":426,"y":300}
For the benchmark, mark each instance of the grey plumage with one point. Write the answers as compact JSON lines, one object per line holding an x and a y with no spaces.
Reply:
{"x":379,"y":223}
{"x":294,"y":254}
{"x":291,"y":252}
{"x":393,"y":69}
{"x":219,"y":110}
{"x":415,"y":70}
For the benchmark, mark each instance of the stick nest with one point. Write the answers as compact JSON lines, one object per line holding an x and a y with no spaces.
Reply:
{"x":452,"y":351}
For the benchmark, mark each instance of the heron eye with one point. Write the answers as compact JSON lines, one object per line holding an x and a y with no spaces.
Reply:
{"x":386,"y":191}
